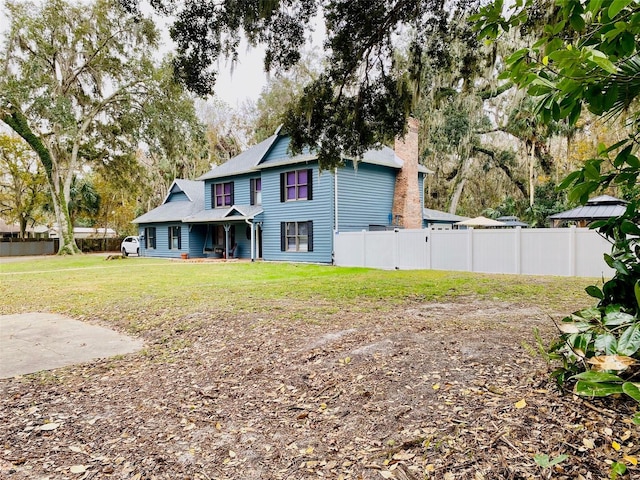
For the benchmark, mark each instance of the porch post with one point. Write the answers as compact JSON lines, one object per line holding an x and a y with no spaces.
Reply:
{"x":258,"y":226}
{"x":227,"y":227}
{"x":253,"y":242}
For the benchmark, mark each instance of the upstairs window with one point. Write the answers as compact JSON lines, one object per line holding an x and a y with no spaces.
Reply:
{"x":175,"y":240}
{"x":222,"y":194}
{"x":296,"y":185}
{"x":256,"y":191}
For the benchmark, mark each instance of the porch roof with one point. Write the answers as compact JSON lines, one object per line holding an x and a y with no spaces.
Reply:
{"x":167,"y":212}
{"x":220,"y":215}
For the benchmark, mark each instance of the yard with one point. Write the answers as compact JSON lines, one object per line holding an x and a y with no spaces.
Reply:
{"x":282,"y":371}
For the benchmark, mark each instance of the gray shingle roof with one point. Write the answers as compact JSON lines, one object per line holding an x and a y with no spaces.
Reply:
{"x":244,"y":163}
{"x":168,"y":212}
{"x":249,"y":160}
{"x":386,"y":157}
{"x":439,"y":216}
{"x":176,"y":211}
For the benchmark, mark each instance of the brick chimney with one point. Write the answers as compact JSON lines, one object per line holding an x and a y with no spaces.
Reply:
{"x":407,"y":210}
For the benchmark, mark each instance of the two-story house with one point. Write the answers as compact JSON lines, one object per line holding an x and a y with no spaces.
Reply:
{"x":265,"y":203}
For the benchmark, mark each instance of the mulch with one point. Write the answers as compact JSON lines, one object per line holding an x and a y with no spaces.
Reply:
{"x":431,"y":390}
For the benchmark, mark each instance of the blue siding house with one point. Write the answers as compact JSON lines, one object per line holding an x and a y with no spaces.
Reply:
{"x":267,"y":204}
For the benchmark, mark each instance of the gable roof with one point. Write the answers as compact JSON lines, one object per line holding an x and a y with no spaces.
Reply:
{"x":244,"y":163}
{"x":235,"y":212}
{"x":176,"y":211}
{"x":251,"y":160}
{"x":191,"y":188}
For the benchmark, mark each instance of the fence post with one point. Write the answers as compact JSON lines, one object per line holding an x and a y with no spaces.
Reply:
{"x":518,"y":234}
{"x":572,"y":251}
{"x":395,"y":248}
{"x":364,"y":248}
{"x":470,"y":249}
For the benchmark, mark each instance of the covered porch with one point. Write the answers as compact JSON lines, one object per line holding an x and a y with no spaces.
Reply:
{"x":234,"y":232}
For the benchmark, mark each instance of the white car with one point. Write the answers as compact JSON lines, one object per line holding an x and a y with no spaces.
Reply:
{"x":130,"y":245}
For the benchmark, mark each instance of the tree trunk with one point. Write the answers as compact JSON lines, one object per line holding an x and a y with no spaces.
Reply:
{"x":532,"y":159}
{"x":57,"y":186}
{"x":465,"y":166}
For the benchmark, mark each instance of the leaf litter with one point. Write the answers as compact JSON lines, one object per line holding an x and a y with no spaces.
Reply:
{"x":430,"y":390}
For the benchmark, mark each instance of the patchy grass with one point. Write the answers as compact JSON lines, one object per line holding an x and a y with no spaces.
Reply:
{"x":140,"y":295}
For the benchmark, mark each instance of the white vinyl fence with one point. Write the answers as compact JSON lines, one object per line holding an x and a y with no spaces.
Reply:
{"x":531,"y":251}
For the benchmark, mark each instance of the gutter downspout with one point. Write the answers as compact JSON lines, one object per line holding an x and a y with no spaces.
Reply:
{"x":336,"y":225}
{"x":253,"y":242}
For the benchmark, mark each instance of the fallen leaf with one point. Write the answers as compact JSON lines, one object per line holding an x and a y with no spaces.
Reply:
{"x":48,"y":426}
{"x":404,"y":456}
{"x":78,"y":469}
{"x":632,"y":460}
{"x":615,"y":445}
{"x":73,"y":448}
{"x":386,"y":474}
{"x":521,"y":404}
{"x":611,"y":362}
{"x":587,"y":442}
{"x":232,"y":454}
{"x":436,"y":386}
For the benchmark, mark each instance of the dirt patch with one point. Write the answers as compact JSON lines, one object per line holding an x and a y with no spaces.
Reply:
{"x":427,"y":391}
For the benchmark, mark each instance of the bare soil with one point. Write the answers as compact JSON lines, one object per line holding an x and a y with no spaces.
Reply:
{"x":432,"y":390}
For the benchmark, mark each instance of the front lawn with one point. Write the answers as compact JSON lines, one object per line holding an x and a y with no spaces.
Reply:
{"x":273,"y":370}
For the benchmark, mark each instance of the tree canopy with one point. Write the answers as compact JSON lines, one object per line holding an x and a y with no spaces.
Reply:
{"x":364,"y":95}
{"x":80,"y":85}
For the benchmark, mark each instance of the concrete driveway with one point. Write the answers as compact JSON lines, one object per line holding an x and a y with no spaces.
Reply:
{"x":32,"y":342}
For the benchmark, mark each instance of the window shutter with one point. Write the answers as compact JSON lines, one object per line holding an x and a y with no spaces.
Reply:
{"x":179,"y":238}
{"x":169,"y":242}
{"x":283,"y":237}
{"x":213,"y":196}
{"x":252,"y":191}
{"x":310,"y":235}
{"x":282,"y":187}
{"x":232,"y":189}
{"x":310,"y":184}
